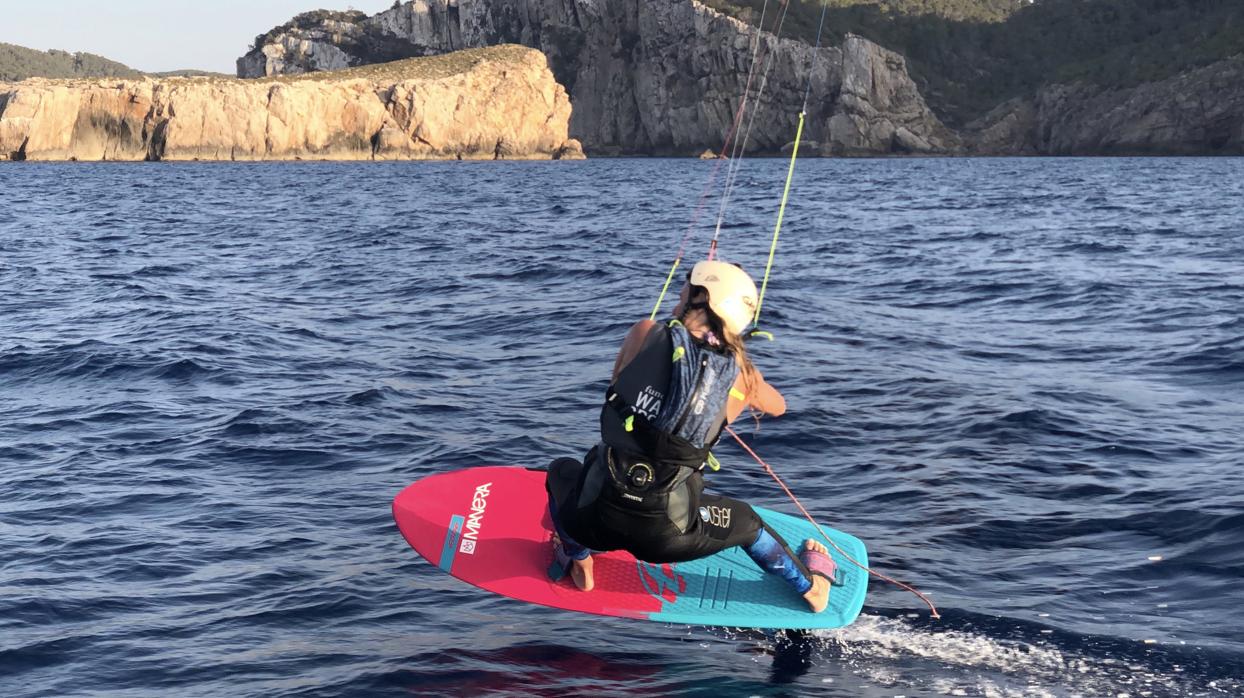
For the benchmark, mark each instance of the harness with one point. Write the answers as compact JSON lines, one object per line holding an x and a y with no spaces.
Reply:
{"x":665,"y":411}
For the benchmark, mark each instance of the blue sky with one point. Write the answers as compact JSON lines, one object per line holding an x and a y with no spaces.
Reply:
{"x":155,"y":35}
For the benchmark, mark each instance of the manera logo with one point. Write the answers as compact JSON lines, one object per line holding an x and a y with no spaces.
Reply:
{"x":478,"y":502}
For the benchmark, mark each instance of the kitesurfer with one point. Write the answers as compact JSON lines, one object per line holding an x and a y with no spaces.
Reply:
{"x":675,"y":387}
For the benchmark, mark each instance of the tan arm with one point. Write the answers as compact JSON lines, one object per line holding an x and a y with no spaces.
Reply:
{"x":766,"y":399}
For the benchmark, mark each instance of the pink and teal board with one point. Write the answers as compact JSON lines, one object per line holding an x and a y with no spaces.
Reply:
{"x":490,"y":527}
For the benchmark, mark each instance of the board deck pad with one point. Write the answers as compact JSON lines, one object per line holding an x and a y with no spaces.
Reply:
{"x":490,"y":527}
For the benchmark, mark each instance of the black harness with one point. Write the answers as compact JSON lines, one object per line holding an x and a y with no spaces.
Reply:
{"x":643,"y":458}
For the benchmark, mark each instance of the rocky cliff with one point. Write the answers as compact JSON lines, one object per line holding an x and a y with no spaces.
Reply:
{"x":1197,"y":112}
{"x":645,"y":76}
{"x":496,"y":103}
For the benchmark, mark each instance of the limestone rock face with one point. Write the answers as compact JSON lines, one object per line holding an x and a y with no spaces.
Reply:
{"x":879,"y":106}
{"x":570,"y":150}
{"x":1198,"y":112}
{"x":653,"y":76}
{"x":492,"y":103}
{"x":290,"y":56}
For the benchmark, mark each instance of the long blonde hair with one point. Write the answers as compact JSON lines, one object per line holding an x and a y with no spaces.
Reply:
{"x":746,"y":368}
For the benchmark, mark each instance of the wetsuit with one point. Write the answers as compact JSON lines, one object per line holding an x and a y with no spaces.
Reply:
{"x":641,"y":489}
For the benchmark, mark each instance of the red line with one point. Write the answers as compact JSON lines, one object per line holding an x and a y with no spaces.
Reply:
{"x":925,"y":599}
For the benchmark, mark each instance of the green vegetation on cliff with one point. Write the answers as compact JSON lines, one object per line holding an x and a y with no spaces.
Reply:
{"x":19,"y":63}
{"x":422,"y":68}
{"x":970,"y":55}
{"x":962,"y":10}
{"x":315,"y":19}
{"x":189,"y":73}
{"x":345,"y":30}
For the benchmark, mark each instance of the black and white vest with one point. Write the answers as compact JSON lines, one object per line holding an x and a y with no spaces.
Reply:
{"x":667,"y":407}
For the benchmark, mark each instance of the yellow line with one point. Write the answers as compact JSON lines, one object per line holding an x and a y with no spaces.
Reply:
{"x":657,"y":308}
{"x":790,"y":173}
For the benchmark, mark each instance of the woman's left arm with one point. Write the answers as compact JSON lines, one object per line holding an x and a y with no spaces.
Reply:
{"x":766,"y":398}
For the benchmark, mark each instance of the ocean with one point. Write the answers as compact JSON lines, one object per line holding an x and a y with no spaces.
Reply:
{"x":1019,"y":381}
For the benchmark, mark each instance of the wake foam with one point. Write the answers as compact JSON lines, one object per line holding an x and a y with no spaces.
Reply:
{"x":890,"y":653}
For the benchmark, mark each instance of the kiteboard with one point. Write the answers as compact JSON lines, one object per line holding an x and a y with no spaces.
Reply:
{"x":490,"y":527}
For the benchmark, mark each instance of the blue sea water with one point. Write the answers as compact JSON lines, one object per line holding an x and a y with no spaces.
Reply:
{"x":1021,"y":382}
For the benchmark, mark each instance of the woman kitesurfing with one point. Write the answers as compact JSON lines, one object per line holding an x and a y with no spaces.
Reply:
{"x":675,"y":387}
{"x":632,"y":525}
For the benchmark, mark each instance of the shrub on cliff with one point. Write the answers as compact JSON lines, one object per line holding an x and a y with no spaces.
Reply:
{"x":969,"y":55}
{"x":310,"y":20}
{"x":19,"y":63}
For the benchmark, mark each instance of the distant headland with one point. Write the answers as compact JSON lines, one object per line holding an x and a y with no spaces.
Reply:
{"x":893,"y":77}
{"x":666,"y":77}
{"x":491,"y":103}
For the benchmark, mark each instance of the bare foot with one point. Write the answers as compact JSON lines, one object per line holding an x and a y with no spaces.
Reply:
{"x":581,"y":573}
{"x":818,"y":596}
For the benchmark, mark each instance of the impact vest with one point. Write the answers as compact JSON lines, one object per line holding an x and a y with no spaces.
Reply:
{"x":668,"y":406}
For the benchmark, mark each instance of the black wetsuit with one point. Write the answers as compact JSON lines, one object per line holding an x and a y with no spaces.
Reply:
{"x":642,"y":488}
{"x":686,"y":525}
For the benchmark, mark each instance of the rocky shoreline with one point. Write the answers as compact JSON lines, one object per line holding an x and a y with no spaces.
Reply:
{"x":663,"y":77}
{"x":646,"y":77}
{"x":497,"y":79}
{"x":495,"y":103}
{"x":1200,"y":112}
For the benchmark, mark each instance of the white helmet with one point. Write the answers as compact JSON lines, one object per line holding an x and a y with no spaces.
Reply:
{"x":731,"y":292}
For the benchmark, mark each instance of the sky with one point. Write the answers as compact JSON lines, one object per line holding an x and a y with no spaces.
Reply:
{"x":157,"y":35}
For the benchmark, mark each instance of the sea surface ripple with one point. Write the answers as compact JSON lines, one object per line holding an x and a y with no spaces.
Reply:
{"x":1020,"y":382}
